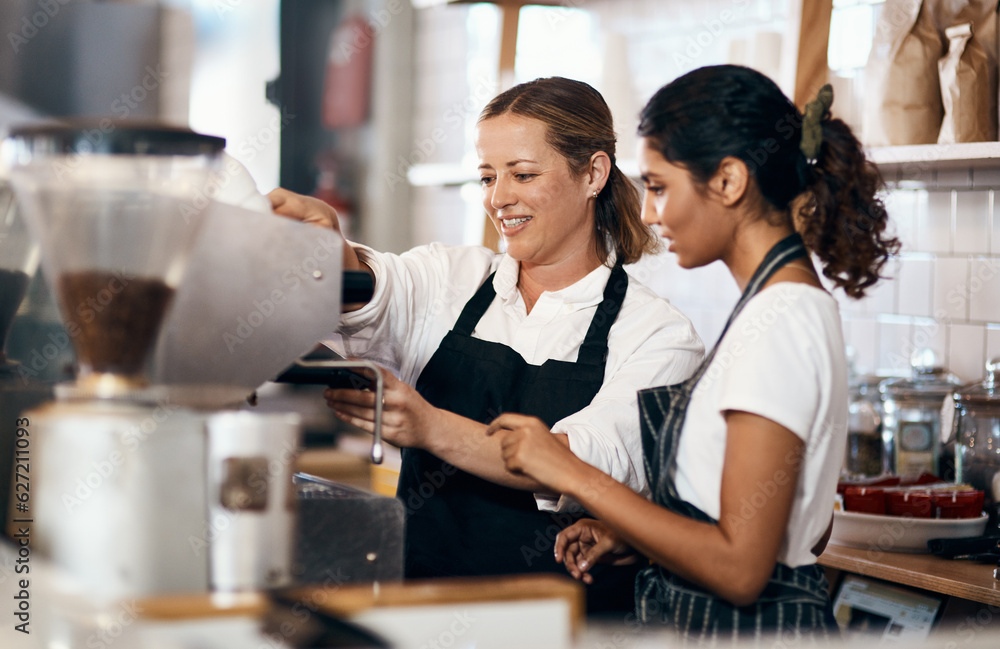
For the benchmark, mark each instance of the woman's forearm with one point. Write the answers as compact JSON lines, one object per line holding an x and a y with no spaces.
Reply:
{"x":733,"y":558}
{"x":463,"y":443}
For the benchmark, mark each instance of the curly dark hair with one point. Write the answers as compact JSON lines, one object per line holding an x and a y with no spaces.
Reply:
{"x":725,"y":111}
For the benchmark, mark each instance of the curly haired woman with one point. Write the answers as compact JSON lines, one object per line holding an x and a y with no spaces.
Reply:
{"x":743,"y":457}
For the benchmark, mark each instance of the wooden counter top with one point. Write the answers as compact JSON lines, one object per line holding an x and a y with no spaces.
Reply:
{"x":349,"y":599}
{"x":965,"y":579}
{"x":345,"y":600}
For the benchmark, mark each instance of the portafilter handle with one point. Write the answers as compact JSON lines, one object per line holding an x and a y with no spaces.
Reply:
{"x":331,"y":373}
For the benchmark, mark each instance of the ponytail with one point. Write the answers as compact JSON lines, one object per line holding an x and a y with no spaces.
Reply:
{"x":618,"y":220}
{"x":843,"y":221}
{"x":814,"y":173}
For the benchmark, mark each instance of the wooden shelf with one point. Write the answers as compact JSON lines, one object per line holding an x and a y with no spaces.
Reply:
{"x":921,"y":162}
{"x":964,"y":579}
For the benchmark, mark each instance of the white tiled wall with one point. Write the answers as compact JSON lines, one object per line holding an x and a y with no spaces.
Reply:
{"x":943,"y":292}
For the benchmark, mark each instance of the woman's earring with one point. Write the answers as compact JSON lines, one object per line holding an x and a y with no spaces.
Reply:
{"x":595,"y":193}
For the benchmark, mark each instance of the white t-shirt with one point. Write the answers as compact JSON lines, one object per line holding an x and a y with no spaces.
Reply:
{"x":420,"y":294}
{"x":783,"y":359}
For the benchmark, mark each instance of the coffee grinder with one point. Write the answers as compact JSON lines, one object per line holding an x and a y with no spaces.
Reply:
{"x":118,"y":477}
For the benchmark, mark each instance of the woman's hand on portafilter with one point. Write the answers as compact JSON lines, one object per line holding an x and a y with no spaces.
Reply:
{"x":313,"y":211}
{"x":407,"y":417}
{"x":587,"y":542}
{"x":306,"y":209}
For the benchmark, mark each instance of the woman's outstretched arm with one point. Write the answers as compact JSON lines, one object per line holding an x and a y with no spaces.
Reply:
{"x":733,"y":558}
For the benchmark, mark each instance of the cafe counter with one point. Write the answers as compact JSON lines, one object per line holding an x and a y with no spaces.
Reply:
{"x":966,"y":580}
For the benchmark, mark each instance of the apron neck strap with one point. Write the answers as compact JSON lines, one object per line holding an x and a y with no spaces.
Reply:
{"x":594,"y":350}
{"x":788,"y":249}
{"x":476,"y":307}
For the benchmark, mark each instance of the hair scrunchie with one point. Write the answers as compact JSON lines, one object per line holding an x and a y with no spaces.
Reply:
{"x":812,"y":129}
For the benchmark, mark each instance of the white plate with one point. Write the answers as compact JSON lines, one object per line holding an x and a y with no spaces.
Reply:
{"x":899,"y":533}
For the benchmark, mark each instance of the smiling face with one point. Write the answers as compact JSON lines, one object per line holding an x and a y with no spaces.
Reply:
{"x":543,"y":211}
{"x":689,"y":217}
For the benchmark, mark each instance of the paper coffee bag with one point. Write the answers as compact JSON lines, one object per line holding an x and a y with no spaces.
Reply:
{"x":966,"y":93}
{"x":902,"y":91}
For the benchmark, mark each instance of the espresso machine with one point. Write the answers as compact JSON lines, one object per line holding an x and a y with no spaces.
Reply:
{"x":147,"y":475}
{"x":181,"y":293}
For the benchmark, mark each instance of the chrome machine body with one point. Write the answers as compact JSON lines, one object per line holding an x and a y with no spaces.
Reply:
{"x":145,"y":477}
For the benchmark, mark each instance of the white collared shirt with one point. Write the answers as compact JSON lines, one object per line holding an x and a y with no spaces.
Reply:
{"x":420,"y":294}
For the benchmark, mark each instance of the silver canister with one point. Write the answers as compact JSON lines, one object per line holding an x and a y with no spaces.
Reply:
{"x":251,"y":499}
{"x":118,"y":495}
{"x":912,"y":414}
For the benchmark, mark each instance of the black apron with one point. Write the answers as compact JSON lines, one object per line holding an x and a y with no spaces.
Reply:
{"x":795,"y":601}
{"x":458,"y":524}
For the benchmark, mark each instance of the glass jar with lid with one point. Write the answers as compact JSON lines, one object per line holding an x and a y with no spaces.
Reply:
{"x":912,"y":414}
{"x":865,"y":455}
{"x":976,"y":430}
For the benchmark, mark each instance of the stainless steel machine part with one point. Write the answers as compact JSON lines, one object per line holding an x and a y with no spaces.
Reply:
{"x":118,"y":496}
{"x":251,"y":499}
{"x":259,"y":292}
{"x":346,"y":535}
{"x":377,"y":452}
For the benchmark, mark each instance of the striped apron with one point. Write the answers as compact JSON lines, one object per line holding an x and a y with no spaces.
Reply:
{"x":795,"y":603}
